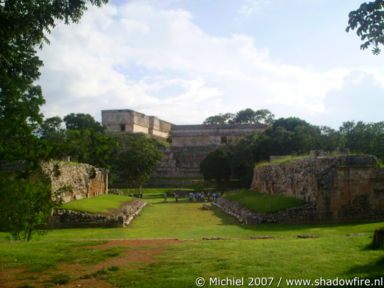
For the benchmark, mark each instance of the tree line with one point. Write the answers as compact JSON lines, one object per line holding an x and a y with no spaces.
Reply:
{"x":290,"y":136}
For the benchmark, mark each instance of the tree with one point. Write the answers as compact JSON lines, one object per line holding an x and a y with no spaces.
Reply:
{"x":246,"y":116}
{"x":89,"y":146}
{"x":368,"y":21}
{"x":363,"y":137}
{"x":23,"y":28}
{"x":249,"y":116}
{"x":82,"y":121}
{"x":136,"y":158}
{"x":220,"y":119}
{"x":216,"y":165}
{"x":25,"y":206}
{"x":244,"y":154}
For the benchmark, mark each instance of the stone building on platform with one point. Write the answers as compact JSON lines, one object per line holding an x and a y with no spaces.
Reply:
{"x":134,"y":122}
{"x":190,"y":143}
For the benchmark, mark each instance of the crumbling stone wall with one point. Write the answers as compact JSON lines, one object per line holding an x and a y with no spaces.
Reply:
{"x":294,"y":215}
{"x":211,"y":135}
{"x":343,"y":188}
{"x":74,"y":181}
{"x":76,"y":219}
{"x":182,"y":162}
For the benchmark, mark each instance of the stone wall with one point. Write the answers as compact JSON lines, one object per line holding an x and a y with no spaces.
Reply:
{"x":211,"y":135}
{"x":74,"y":181}
{"x":343,"y":188}
{"x":294,"y":215}
{"x":183,"y":162}
{"x":75,"y":219}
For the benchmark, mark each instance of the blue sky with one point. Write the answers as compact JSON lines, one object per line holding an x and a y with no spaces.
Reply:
{"x":186,"y":60}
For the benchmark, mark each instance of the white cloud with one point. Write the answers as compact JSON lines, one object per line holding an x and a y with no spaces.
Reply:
{"x":121,"y":57}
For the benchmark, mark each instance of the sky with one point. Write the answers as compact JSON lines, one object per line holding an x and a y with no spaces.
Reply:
{"x":186,"y":60}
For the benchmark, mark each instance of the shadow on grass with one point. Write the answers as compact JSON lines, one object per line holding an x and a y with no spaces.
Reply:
{"x":373,"y":270}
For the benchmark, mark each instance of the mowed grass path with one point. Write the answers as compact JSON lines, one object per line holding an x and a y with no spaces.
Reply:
{"x":333,"y":254}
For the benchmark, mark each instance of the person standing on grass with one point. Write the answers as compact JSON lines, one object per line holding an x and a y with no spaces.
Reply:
{"x":176,"y":197}
{"x":191,"y":197}
{"x":165,"y":196}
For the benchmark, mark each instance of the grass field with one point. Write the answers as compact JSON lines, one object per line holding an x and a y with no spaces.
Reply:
{"x":100,"y":204}
{"x":72,"y":254}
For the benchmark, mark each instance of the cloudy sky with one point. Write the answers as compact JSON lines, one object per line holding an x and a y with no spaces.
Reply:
{"x":185,"y":60}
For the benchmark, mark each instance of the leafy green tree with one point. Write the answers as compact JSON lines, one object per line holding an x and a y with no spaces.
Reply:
{"x":54,"y":138}
{"x":23,"y":29}
{"x":246,"y":116}
{"x":363,"y":137}
{"x":25,"y":206}
{"x":368,"y":21}
{"x":136,"y":158}
{"x":244,"y":154}
{"x":82,"y":121}
{"x":216,"y":165}
{"x":249,"y":116}
{"x":89,"y":146}
{"x":220,"y":119}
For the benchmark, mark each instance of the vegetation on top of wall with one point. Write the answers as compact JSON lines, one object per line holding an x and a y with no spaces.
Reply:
{"x":262,"y":202}
{"x":289,"y":158}
{"x":67,"y":163}
{"x":100,"y":204}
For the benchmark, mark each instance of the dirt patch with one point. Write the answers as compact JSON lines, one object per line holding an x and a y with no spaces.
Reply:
{"x":88,"y":283}
{"x":136,"y":242}
{"x":134,"y":254}
{"x":12,"y":277}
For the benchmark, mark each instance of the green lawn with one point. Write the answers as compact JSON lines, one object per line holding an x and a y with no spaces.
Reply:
{"x":262,"y":202}
{"x":100,"y":204}
{"x":331,"y":254}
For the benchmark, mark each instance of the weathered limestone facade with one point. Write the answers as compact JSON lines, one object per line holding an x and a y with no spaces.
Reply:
{"x":343,"y":188}
{"x":74,"y":181}
{"x":135,"y":122}
{"x":211,"y":135}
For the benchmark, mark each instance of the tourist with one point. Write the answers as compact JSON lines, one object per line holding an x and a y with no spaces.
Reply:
{"x":202,"y":196}
{"x":165,"y":196}
{"x":176,"y":197}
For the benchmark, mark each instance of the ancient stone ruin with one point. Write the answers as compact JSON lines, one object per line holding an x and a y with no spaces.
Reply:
{"x":73,"y":181}
{"x":129,"y":121}
{"x":190,"y":143}
{"x":342,"y":188}
{"x":121,"y":217}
